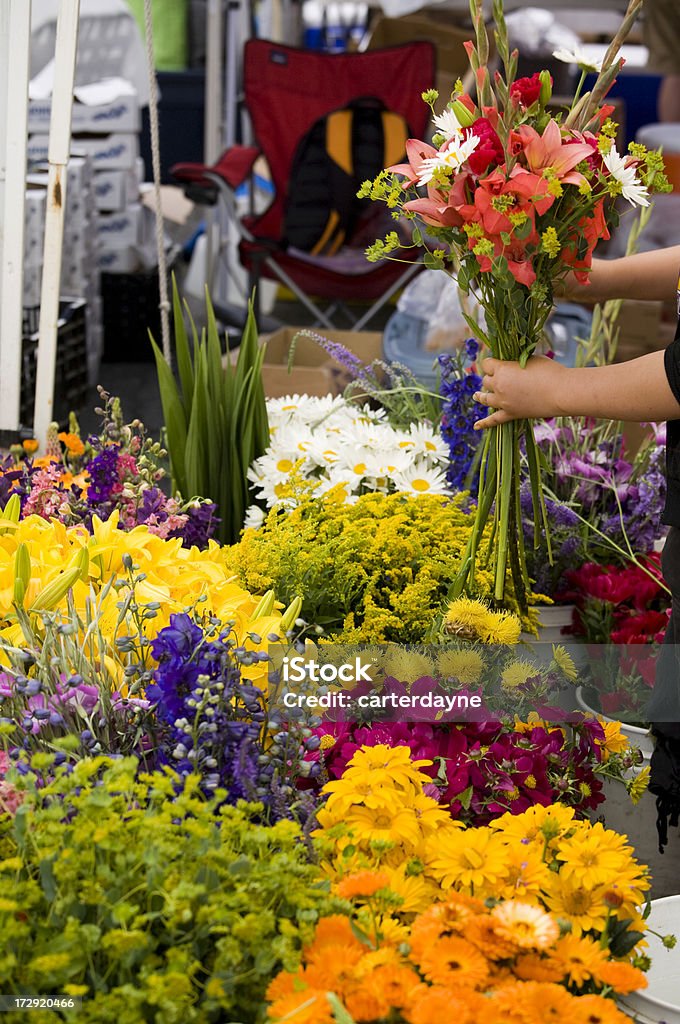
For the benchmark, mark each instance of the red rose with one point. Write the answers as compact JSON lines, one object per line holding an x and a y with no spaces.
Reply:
{"x":489,"y":148}
{"x":526,"y":90}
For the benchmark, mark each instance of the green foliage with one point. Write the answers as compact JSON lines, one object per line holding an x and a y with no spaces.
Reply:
{"x":215,"y":416}
{"x":152,"y":905}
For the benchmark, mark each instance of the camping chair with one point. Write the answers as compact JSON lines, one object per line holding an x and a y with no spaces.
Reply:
{"x":288,"y":93}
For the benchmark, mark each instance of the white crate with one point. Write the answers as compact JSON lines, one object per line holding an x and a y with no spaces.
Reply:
{"x":117,"y":151}
{"x":121,"y":114}
{"x":114,"y":190}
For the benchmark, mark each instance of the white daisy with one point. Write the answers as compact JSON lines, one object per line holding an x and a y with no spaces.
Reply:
{"x":450,"y":158}
{"x":632,"y":188}
{"x":421,"y":480}
{"x":254,"y":517}
{"x":279,"y":407}
{"x":447,"y":122}
{"x":428,"y":442}
{"x":577,"y":56}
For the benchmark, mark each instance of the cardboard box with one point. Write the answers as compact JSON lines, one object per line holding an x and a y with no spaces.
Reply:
{"x":122,"y":114}
{"x":114,"y":152}
{"x":639,"y":326}
{"x":313,"y":371}
{"x":123,"y":229}
{"x":114,"y":190}
{"x":119,"y":261}
{"x":452,"y":61}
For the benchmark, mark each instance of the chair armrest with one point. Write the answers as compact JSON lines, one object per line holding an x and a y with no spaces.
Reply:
{"x":233,"y":167}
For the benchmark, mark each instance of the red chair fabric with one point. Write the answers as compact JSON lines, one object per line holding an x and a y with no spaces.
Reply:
{"x":286,"y":91}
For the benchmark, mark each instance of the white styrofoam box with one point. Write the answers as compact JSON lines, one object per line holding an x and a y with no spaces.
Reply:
{"x":34,"y":221}
{"x":123,"y":229}
{"x":117,"y":151}
{"x":32,"y":285}
{"x":121,"y":114}
{"x":119,"y":261}
{"x":114,"y":190}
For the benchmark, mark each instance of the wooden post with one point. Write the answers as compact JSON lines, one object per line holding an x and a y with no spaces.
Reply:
{"x":59,"y":148}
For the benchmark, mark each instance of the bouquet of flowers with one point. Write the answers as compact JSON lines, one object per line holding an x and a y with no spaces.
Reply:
{"x":516,"y":198}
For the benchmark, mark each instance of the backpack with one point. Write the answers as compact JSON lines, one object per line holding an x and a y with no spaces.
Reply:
{"x":339,"y":152}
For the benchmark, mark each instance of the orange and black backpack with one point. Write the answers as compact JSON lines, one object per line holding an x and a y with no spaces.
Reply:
{"x":339,"y":152}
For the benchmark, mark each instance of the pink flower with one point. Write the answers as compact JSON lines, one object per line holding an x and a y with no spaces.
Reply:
{"x":549,"y":152}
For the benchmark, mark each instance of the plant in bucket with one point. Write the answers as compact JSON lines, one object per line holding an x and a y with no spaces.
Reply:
{"x":516,"y":198}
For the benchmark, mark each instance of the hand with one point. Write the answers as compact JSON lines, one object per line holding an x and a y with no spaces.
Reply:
{"x":515,"y":392}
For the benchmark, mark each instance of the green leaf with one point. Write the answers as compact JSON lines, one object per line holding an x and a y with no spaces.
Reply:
{"x":182,"y":354}
{"x":174,"y":417}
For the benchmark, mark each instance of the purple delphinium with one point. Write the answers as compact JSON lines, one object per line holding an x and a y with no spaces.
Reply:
{"x":459,"y":414}
{"x":566,"y":539}
{"x":200,"y":526}
{"x":103,"y":473}
{"x":213,"y":716}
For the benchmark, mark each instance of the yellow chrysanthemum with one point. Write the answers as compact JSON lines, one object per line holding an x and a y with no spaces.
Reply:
{"x":474,"y":620}
{"x":415,"y":891}
{"x":637,"y":786}
{"x":564,"y":662}
{"x":615,"y":741}
{"x":526,"y":874}
{"x":465,"y":666}
{"x":404,"y":665}
{"x":594,"y":857}
{"x":579,"y":957}
{"x":526,"y":925}
{"x":470,"y":859}
{"x":537,"y":824}
{"x":584,"y":908}
{"x":516,"y":674}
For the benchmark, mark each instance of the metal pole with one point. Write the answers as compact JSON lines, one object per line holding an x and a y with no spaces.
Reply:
{"x":16,"y":34}
{"x":59,"y":147}
{"x":212,"y":147}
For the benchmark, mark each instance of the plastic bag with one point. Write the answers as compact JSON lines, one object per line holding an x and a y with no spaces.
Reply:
{"x":537,"y":32}
{"x":447,"y":327}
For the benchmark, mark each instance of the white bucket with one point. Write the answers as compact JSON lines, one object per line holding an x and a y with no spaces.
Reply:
{"x":552,"y":620}
{"x":659,"y":1003}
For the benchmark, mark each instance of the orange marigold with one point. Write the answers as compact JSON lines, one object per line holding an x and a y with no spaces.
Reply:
{"x":362,"y":884}
{"x":72,"y":443}
{"x":621,"y":976}
{"x":308,"y":1007}
{"x":453,"y":961}
{"x":596,"y":1010}
{"x":482,"y":932}
{"x":534,"y":967}
{"x":436,"y":1003}
{"x":536,"y":1003}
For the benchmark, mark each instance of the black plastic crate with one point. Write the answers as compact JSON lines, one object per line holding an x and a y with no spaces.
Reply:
{"x":70,"y":377}
{"x":130,"y":309}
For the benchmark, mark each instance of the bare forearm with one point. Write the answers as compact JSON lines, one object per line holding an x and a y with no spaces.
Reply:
{"x":637,"y":390}
{"x":644,"y":275}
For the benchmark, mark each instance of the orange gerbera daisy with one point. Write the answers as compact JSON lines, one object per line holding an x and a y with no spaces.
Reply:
{"x":453,"y":961}
{"x":362,"y":884}
{"x":365,"y":1003}
{"x":596,"y":1010}
{"x":580,"y":958}
{"x":283,"y":985}
{"x":621,"y":976}
{"x":394,"y":983}
{"x":72,"y":443}
{"x":441,"y":920}
{"x":334,"y":930}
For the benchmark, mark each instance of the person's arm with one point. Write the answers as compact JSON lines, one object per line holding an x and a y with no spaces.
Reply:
{"x":636,"y":390}
{"x":644,"y":275}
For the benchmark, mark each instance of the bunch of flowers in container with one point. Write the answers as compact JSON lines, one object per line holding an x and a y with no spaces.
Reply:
{"x":517,"y":197}
{"x":508,"y":963}
{"x":120,"y":470}
{"x":335,"y":444}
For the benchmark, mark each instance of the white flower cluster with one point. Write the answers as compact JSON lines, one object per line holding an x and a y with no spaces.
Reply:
{"x":336,"y":443}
